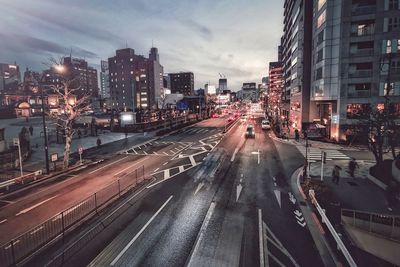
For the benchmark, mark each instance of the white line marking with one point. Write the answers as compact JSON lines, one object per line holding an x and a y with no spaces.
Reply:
{"x":34,"y":206}
{"x":234,"y":154}
{"x":166,"y":153}
{"x":165,"y":163}
{"x":3,"y":221}
{"x":166,"y":174}
{"x":199,"y":186}
{"x":106,"y":165}
{"x":181,"y":168}
{"x":260,"y":238}
{"x":129,"y":166}
{"x":37,"y":230}
{"x":140,"y":232}
{"x":200,"y":237}
{"x":156,"y":169}
{"x":192,"y":161}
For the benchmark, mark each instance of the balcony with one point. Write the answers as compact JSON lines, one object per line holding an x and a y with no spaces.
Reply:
{"x":370,"y":30}
{"x":360,"y":93}
{"x":362,"y":52}
{"x":363,"y":10}
{"x":360,"y":74}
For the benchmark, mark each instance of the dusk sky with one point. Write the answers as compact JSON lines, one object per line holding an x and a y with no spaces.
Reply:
{"x":234,"y":37}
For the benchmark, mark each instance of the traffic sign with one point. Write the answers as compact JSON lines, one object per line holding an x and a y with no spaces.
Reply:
{"x":54,"y":157}
{"x":80,"y":150}
{"x":16,"y":141}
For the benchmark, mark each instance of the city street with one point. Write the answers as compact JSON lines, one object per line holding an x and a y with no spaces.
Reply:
{"x":201,"y":217}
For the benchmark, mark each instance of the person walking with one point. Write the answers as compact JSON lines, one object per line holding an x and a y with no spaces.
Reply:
{"x":336,"y":174}
{"x":98,"y":142}
{"x":296,"y":135}
{"x":79,"y":133}
{"x":352,"y":166}
{"x":31,"y":130}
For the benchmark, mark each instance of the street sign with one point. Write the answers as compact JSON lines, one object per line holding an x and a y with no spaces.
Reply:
{"x":80,"y":150}
{"x":16,"y":141}
{"x":54,"y":157}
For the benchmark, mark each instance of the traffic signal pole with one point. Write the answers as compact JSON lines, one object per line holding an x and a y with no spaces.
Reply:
{"x":323,"y":160}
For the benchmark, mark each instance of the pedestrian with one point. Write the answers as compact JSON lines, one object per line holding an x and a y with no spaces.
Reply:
{"x":126,"y":133}
{"x":98,"y":142}
{"x":304,"y":172}
{"x":79,"y":133}
{"x":296,"y":135}
{"x":31,"y":130}
{"x":352,"y":166}
{"x":336,"y":174}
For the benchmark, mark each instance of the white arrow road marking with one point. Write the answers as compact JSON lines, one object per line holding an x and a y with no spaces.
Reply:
{"x":140,"y":232}
{"x":292,"y":198}
{"x":278,"y":197}
{"x":239,"y":188}
{"x":297,"y":213}
{"x":34,"y":206}
{"x":300,"y":218}
{"x":199,"y":186}
{"x":302,"y":224}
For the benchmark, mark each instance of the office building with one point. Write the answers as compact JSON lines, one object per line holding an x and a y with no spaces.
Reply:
{"x":249,"y":91}
{"x":295,"y":51}
{"x":135,"y":81}
{"x":354,"y":43}
{"x":104,"y":80}
{"x":222,"y":85}
{"x":182,"y":83}
{"x":84,"y":76}
{"x":275,"y":89}
{"x":10,"y":77}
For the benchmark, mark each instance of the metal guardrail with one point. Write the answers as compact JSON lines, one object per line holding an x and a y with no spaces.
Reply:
{"x":332,"y":230}
{"x":21,"y":179}
{"x":31,"y":242}
{"x":384,"y":225}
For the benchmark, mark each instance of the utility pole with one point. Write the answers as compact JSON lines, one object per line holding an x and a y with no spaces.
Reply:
{"x":46,"y":148}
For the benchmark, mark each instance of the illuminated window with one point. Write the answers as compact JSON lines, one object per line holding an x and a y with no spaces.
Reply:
{"x":321,"y":19}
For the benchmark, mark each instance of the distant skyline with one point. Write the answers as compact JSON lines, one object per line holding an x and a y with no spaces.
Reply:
{"x":234,"y":37}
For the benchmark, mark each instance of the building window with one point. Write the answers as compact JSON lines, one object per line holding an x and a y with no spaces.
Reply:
{"x":385,"y":90}
{"x":321,"y":3}
{"x":321,"y":19}
{"x":318,"y":74}
{"x":358,"y":111}
{"x":394,"y":4}
{"x":320,"y":37}
{"x":320,"y":55}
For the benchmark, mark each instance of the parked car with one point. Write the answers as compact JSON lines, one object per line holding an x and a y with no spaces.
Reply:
{"x":250,"y":133}
{"x":265,"y":125}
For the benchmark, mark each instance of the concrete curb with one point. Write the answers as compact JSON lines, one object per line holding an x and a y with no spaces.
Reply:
{"x":313,"y":224}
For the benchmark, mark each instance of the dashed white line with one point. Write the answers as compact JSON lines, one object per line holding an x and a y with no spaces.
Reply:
{"x":3,"y":221}
{"x":106,"y":165}
{"x":165,"y":163}
{"x":35,"y":206}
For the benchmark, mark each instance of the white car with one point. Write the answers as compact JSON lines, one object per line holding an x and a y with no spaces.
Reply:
{"x":265,"y":125}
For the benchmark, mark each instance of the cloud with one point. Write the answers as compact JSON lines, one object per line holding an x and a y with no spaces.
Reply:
{"x":204,"y":31}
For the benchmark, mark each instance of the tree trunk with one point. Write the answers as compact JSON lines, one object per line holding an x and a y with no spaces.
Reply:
{"x":67,"y":147}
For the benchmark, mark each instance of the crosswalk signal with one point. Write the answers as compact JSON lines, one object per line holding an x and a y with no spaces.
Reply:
{"x":324,"y":157}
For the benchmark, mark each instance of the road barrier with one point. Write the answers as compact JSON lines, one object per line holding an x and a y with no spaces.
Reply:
{"x":332,"y":230}
{"x":31,"y":242}
{"x":384,"y":225}
{"x":21,"y":180}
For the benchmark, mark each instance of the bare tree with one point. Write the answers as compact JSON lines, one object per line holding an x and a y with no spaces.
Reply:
{"x":70,"y":108}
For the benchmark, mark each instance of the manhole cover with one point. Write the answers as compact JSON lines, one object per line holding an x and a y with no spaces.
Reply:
{"x":352,"y":183}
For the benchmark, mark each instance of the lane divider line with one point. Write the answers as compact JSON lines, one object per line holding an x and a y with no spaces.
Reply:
{"x":140,"y":232}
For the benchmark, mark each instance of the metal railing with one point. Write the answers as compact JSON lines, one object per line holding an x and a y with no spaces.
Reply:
{"x":32,"y":241}
{"x":332,"y":230}
{"x":387,"y":226}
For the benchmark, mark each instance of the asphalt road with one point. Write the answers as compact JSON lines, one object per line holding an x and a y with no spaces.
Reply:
{"x":201,"y":209}
{"x":201,"y":220}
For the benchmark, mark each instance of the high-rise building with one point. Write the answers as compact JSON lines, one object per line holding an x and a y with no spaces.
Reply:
{"x":135,"y":81}
{"x":156,"y":78}
{"x":222,"y":85}
{"x":249,"y":91}
{"x":356,"y":56}
{"x":296,"y":58}
{"x":275,"y":89}
{"x":10,"y":77}
{"x":182,"y":83}
{"x":104,"y":79}
{"x":85,"y":77}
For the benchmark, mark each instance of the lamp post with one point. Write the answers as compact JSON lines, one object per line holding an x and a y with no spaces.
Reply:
{"x":46,"y":148}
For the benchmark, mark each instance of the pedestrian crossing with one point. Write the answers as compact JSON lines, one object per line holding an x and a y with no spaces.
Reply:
{"x":314,"y":154}
{"x":195,"y":130}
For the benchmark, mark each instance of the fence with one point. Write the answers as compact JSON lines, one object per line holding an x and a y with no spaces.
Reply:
{"x":34,"y":240}
{"x":384,"y":225}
